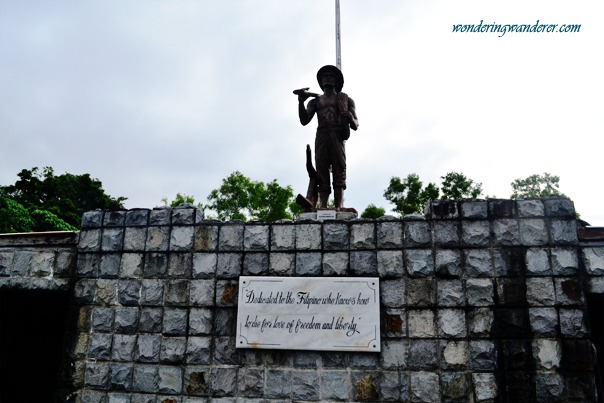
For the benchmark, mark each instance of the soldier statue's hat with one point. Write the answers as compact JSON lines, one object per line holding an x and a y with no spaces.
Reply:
{"x":335,"y":72}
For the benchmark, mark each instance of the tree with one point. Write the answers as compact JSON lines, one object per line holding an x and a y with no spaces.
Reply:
{"x":536,"y":186}
{"x":240,"y":198}
{"x":179,"y":200}
{"x":372,"y":211}
{"x":65,"y":197}
{"x":409,"y":196}
{"x":456,"y":186}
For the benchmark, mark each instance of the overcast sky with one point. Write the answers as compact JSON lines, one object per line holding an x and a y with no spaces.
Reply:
{"x":159,"y":97}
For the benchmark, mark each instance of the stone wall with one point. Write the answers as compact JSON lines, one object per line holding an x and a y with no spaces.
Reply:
{"x":481,"y":301}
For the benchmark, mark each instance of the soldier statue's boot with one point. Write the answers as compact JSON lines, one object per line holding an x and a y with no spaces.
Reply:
{"x":323,"y":199}
{"x":339,"y":198}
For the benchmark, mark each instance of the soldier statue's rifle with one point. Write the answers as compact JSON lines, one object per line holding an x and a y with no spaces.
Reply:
{"x":304,"y":91}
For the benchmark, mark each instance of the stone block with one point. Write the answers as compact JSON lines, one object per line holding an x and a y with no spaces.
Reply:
{"x":448,"y":263}
{"x":390,"y":235}
{"x":506,"y":232}
{"x":335,"y":263}
{"x":131,"y":265}
{"x":307,"y":359}
{"x":540,"y":291}
{"x":96,"y":375}
{"x":308,"y":263}
{"x":593,"y":258}
{"x":547,"y":353}
{"x":565,"y":262}
{"x":204,"y":265}
{"x":99,"y":346}
{"x":184,"y":216}
{"x":255,"y":264}
{"x":256,"y":238}
{"x":512,"y":323}
{"x":229,"y":265}
{"x":205,"y":238}
{"x":231,"y":238}
{"x":224,"y":351}
{"x":363,"y":263}
{"x":152,"y":292}
{"x":390,"y":263}
{"x":446,"y":233}
{"x":423,"y":354}
{"x":156,"y":265}
{"x":197,"y":382}
{"x":145,"y":378}
{"x":198,"y":350}
{"x":173,"y":350}
{"x":84,"y":291}
{"x":569,"y":291}
{"x":475,"y":233}
{"x":150,"y":320}
{"x":308,"y":237}
{"x":455,"y":387}
{"x":363,"y":361}
{"x":147,"y":348}
{"x":42,"y":264}
{"x":135,"y":238}
{"x":106,"y":292}
{"x":544,"y":321}
{"x":389,"y":387}
{"x":533,"y":232}
{"x":157,"y":239}
{"x":102,"y":319}
{"x":123,"y":347}
{"x":126,"y":319}
{"x":394,"y":323}
{"x":305,"y":385}
{"x":450,"y":293}
{"x":128,"y":292}
{"x":181,"y":239}
{"x":454,"y":354}
{"x":530,"y":208}
{"x":180,"y":265}
{"x":419,"y":262}
{"x":485,"y":387}
{"x":335,"y":385}
{"x":90,"y":240}
{"x":537,"y":262}
{"x":250,"y":382}
{"x":177,"y":293}
{"x":516,"y":354}
{"x":564,"y":232}
{"x":451,"y":323}
{"x":444,"y":209}
{"x":362,"y":236}
{"x":478,"y":263}
{"x":110,"y":265}
{"x":160,"y":216}
{"x":175,"y":321}
{"x":200,"y":321}
{"x":421,"y":323}
{"x":335,"y":236}
{"x":87,"y":265}
{"x":6,"y":262}
{"x":365,"y":385}
{"x":559,"y":207}
{"x":226,"y":293}
{"x":572,"y":323}
{"x":420,"y":292}
{"x":224,"y":382}
{"x":92,"y":219}
{"x":424,"y":387}
{"x":281,"y":264}
{"x":283,"y":237}
{"x":474,"y":209}
{"x":225,"y":321}
{"x":480,"y":292}
{"x":483,"y":355}
{"x":137,"y":217}
{"x":278,"y":384}
{"x":202,"y":293}
{"x":120,"y":376}
{"x":549,"y":387}
{"x":418,"y":234}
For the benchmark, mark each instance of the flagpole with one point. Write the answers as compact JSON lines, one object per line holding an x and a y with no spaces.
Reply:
{"x":338,"y":50}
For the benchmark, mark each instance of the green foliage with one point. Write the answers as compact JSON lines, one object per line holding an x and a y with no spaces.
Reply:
{"x":409,"y":195}
{"x":456,"y":186}
{"x":372,"y":211}
{"x":65,"y":197}
{"x":14,"y":217}
{"x":240,"y":198}
{"x":179,"y":200}
{"x":536,"y":186}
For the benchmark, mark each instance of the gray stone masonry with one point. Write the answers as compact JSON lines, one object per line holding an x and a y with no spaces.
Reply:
{"x":480,"y":301}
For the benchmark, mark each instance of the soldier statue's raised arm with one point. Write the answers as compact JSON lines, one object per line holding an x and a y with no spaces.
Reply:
{"x":336,"y":115}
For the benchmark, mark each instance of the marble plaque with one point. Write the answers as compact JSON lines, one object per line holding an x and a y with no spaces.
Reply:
{"x":323,"y":215}
{"x":309,"y":313}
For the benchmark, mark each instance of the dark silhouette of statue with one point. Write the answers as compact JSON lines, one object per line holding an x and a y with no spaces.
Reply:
{"x":336,"y":115}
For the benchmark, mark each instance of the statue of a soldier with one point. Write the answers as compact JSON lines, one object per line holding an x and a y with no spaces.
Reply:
{"x":336,"y":115}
